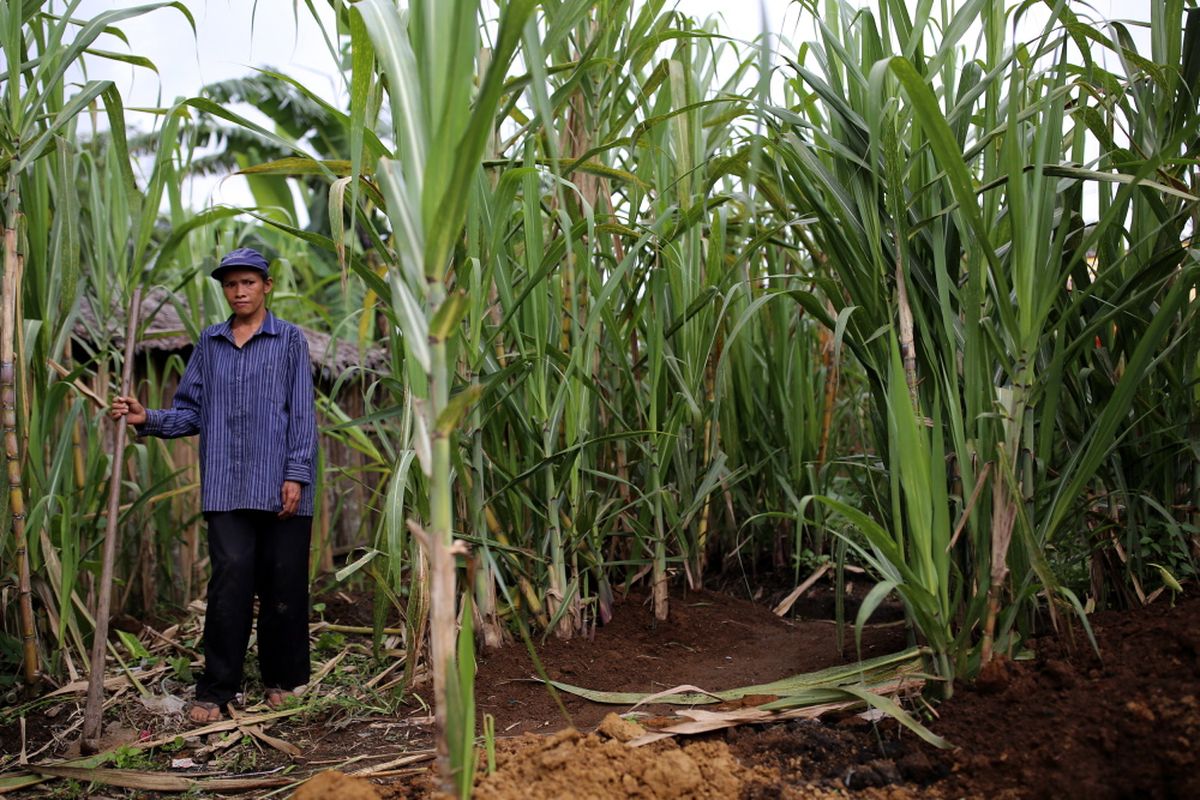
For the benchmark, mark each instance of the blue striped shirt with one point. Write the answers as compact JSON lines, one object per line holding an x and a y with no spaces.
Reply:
{"x":253,"y":408}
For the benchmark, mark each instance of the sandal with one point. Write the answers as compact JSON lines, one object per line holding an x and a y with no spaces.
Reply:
{"x":202,"y":712}
{"x":278,"y":698}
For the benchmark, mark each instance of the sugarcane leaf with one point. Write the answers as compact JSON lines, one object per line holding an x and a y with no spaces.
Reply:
{"x":52,"y":74}
{"x":451,"y":210}
{"x":448,"y":316}
{"x":879,"y":669}
{"x":369,"y":277}
{"x":889,"y":707}
{"x":457,"y":407}
{"x":413,"y":323}
{"x":124,"y":58}
{"x":90,"y":91}
{"x":632,"y":698}
{"x":1073,"y":599}
{"x":298,"y":165}
{"x":950,"y":157}
{"x":115,"y":111}
{"x":877,"y":595}
{"x":404,"y":210}
{"x":358,"y":563}
{"x":361,"y":80}
{"x":1099,"y":439}
{"x":388,"y":32}
{"x":1068,"y":171}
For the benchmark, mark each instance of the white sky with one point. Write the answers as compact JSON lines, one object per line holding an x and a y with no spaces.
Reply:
{"x":234,"y":36}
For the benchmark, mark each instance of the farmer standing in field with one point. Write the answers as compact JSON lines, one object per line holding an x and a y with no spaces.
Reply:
{"x":248,"y":392}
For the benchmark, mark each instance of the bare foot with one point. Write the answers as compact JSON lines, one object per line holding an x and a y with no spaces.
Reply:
{"x":278,"y":698}
{"x":202,"y":712}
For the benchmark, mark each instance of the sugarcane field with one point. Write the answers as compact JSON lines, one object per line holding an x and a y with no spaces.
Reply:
{"x":540,"y":399}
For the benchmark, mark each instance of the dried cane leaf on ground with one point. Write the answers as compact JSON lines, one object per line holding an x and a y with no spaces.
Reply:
{"x":148,"y":745}
{"x":871,"y":683}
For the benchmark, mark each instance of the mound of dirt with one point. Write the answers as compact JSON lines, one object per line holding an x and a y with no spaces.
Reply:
{"x":570,"y":764}
{"x":334,"y":785}
{"x":600,"y":766}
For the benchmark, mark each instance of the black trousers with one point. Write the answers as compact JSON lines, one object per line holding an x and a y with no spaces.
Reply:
{"x":255,"y":553}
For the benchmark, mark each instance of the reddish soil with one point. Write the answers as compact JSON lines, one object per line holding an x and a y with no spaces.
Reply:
{"x":709,"y":640}
{"x":1069,"y":724}
{"x":1063,"y":724}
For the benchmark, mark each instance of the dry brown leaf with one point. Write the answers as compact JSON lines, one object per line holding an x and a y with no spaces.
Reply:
{"x":224,"y":725}
{"x":154,"y":781}
{"x":279,"y":744}
{"x":786,"y":604}
{"x":682,"y":688}
{"x":704,"y":721}
{"x":80,"y":686}
{"x":408,"y":758}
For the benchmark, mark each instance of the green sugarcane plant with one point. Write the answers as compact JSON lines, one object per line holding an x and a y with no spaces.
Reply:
{"x":428,"y":59}
{"x":39,"y":53}
{"x":940,"y":215}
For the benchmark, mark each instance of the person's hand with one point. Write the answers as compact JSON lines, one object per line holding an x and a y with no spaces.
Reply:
{"x":129,"y":408}
{"x":291,"y":499}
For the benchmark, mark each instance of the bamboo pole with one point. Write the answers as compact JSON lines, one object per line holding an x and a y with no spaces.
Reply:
{"x":90,"y":741}
{"x":9,"y":324}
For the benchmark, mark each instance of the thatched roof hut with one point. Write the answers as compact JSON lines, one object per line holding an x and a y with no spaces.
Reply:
{"x":163,"y":331}
{"x":340,"y":370}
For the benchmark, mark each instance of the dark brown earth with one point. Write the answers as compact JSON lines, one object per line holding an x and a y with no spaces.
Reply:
{"x":1061,"y":724}
{"x":709,"y":640}
{"x":1069,"y":724}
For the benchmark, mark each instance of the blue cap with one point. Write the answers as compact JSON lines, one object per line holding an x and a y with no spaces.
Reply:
{"x":242,"y":258}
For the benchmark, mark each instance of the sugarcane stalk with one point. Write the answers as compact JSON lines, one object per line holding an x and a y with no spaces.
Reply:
{"x":90,"y":740}
{"x":701,"y":559}
{"x":148,"y":562}
{"x":1195,"y":515}
{"x":661,"y":598}
{"x":556,"y":594}
{"x":1004,"y":511}
{"x":9,"y":323}
{"x":832,"y":369}
{"x":659,"y":588}
{"x":442,"y":616}
{"x":416,"y":611}
{"x":76,"y":435}
{"x":1003,"y":516}
{"x":487,"y":620}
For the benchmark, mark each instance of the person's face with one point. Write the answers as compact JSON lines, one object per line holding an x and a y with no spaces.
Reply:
{"x":246,"y":291}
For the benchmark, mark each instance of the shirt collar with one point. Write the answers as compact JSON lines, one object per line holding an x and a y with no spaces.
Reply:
{"x":270,"y":326}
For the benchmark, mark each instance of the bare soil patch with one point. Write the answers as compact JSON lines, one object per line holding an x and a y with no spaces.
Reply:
{"x":709,"y":640}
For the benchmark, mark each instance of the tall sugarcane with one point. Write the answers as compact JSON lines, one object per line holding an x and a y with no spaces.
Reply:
{"x":9,"y":319}
{"x":976,"y":181}
{"x":428,"y":58}
{"x":34,"y":110}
